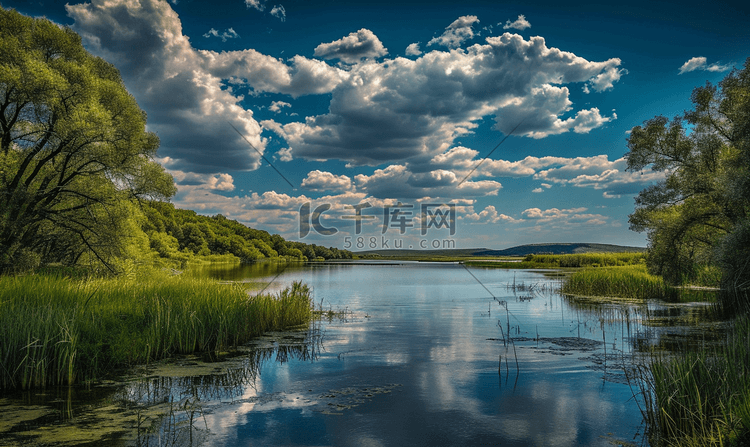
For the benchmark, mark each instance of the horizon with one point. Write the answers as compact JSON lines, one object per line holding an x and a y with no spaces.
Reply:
{"x":482,"y":124}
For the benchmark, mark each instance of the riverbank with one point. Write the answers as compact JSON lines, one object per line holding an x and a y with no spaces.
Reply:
{"x":58,"y":330}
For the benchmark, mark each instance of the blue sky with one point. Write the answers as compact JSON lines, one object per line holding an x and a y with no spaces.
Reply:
{"x":388,"y":102}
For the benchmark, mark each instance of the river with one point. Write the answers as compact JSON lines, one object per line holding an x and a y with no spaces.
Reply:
{"x":416,"y":354}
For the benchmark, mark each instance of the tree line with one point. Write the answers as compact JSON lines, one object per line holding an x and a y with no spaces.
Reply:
{"x":699,"y":215}
{"x":181,"y":234}
{"x":79,"y":184}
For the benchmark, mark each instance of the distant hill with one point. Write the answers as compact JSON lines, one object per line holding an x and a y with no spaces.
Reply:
{"x":521,"y":250}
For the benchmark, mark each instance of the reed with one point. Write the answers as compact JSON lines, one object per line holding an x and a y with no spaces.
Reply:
{"x":566,"y":261}
{"x":56,"y":330}
{"x":589,"y":259}
{"x":630,"y":281}
{"x":699,"y":398}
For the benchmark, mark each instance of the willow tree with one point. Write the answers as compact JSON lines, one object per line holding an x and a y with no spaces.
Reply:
{"x":700,"y":213}
{"x":74,"y":150}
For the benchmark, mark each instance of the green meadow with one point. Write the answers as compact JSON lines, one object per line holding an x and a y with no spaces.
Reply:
{"x":58,"y":330}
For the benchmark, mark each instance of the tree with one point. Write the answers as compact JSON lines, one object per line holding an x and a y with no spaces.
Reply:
{"x":74,"y":152}
{"x":700,"y":213}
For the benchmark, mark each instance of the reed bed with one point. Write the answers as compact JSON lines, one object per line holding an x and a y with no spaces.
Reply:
{"x":630,"y":281}
{"x":566,"y":261}
{"x":589,"y":259}
{"x":55,"y":330}
{"x":700,"y":398}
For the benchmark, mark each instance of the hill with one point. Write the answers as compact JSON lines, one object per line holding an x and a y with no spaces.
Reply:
{"x":520,"y":250}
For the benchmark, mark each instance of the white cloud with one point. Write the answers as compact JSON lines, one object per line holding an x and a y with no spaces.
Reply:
{"x":325,"y":181}
{"x":276,"y":106}
{"x":220,"y":182}
{"x":228,"y":34}
{"x":398,"y":182}
{"x":489,"y":215}
{"x":404,"y":110}
{"x":182,"y":88}
{"x":565,"y":217}
{"x":599,"y":173}
{"x":413,"y":49}
{"x":257,"y":4}
{"x":285,"y":154}
{"x":537,"y":190}
{"x":520,"y":24}
{"x":456,"y":33}
{"x":701,"y":63}
{"x":279,"y":12}
{"x":353,"y":48}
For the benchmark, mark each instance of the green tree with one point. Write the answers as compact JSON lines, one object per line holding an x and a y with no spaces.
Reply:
{"x":74,"y":151}
{"x":699,"y":214}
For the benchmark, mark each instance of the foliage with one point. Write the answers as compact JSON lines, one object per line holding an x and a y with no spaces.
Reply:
{"x":698,"y":215}
{"x":565,"y":261}
{"x":55,"y":330}
{"x":589,"y":259}
{"x":74,"y":152}
{"x":700,"y":398}
{"x":183,"y":235}
{"x":631,"y":281}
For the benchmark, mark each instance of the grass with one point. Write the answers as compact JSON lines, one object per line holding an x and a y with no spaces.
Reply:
{"x":700,"y":398}
{"x":630,"y":281}
{"x":55,"y":330}
{"x":567,"y":261}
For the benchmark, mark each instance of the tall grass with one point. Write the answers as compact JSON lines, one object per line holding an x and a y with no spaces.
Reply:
{"x":567,"y":261}
{"x":589,"y":259}
{"x":56,"y":330}
{"x":700,"y":398}
{"x":630,"y":281}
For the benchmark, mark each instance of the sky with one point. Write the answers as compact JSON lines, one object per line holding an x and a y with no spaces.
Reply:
{"x":410,"y":124}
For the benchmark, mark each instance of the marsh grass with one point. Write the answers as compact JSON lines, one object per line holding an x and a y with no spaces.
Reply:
{"x":55,"y":330}
{"x":699,"y":398}
{"x":589,"y":259}
{"x":630,"y":281}
{"x":566,"y":261}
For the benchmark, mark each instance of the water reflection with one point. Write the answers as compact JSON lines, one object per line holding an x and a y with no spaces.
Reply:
{"x":430,"y":355}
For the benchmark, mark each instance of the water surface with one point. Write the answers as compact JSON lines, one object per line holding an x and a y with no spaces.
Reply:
{"x":423,"y":354}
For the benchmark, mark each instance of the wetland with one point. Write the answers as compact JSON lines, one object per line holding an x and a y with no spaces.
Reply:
{"x":404,"y":353}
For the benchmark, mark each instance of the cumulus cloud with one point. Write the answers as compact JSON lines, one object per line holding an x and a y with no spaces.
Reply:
{"x":276,"y":106}
{"x":564,"y":216}
{"x":397,"y":181}
{"x":182,"y":89}
{"x":413,"y":49}
{"x":701,"y":63}
{"x":256,"y":4}
{"x":537,"y":190}
{"x":220,"y":182}
{"x":489,"y":215}
{"x":285,"y":154}
{"x":598,"y":173}
{"x":352,"y":48}
{"x":228,"y":34}
{"x":403,"y":109}
{"x":325,"y":181}
{"x":456,"y":33}
{"x":520,"y":24}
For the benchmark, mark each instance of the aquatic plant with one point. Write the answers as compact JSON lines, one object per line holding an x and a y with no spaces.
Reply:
{"x":565,"y":261}
{"x":56,"y":330}
{"x":632,"y":281}
{"x":699,"y":398}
